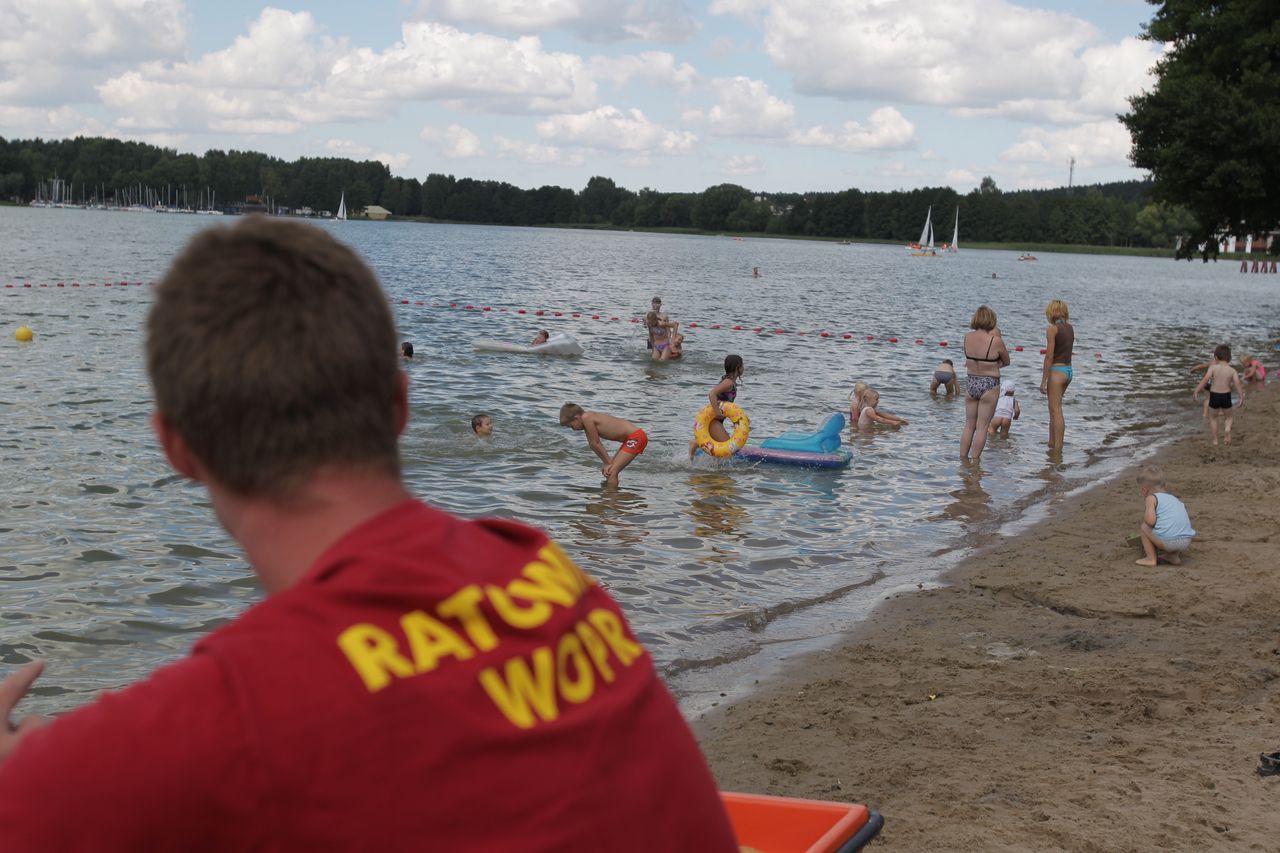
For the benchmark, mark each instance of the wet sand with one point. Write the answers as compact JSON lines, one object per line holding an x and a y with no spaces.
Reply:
{"x":1056,"y":696}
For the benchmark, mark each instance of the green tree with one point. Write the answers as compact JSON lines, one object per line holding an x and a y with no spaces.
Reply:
{"x":712,"y":208}
{"x":1210,"y":129}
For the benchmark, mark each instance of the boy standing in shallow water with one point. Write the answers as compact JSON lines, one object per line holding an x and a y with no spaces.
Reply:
{"x":598,"y":425}
{"x":1165,"y":523}
{"x":1220,"y":377}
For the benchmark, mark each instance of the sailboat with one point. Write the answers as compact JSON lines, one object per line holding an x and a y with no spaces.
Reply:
{"x":342,"y":208}
{"x":954,"y":245}
{"x":924,"y":248}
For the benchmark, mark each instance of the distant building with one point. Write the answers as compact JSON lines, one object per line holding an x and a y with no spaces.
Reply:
{"x":374,"y":211}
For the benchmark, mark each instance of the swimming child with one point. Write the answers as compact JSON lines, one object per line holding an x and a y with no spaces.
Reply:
{"x":856,"y":403}
{"x":1165,"y":523}
{"x":541,"y":338}
{"x":406,"y":351}
{"x":598,"y":425}
{"x":1007,"y":410}
{"x":944,"y":376}
{"x":676,"y":348}
{"x":726,"y":391}
{"x":755,"y":272}
{"x":869,"y":417}
{"x":1220,"y":377}
{"x":482,"y":425}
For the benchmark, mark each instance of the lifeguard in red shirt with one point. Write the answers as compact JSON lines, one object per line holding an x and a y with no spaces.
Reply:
{"x":411,"y":682}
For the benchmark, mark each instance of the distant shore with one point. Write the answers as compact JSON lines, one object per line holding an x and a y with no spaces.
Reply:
{"x":1055,"y":696}
{"x":1020,"y":248}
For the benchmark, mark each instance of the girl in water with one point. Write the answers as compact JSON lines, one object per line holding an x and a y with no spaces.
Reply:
{"x":984,"y":354}
{"x":1060,"y":337}
{"x":726,"y":391}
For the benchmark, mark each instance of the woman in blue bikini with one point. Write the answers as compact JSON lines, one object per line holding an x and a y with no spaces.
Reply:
{"x":1060,"y":337}
{"x":984,"y":355}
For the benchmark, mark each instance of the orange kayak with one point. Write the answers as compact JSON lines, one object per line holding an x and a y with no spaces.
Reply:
{"x":787,"y":825}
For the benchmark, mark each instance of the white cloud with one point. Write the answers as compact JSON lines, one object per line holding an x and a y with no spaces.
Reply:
{"x":610,"y":127}
{"x":52,"y":50}
{"x":887,"y":129}
{"x":965,"y":54}
{"x":1097,"y":144}
{"x":56,"y":122}
{"x":898,"y":169}
{"x":347,"y":147}
{"x":283,"y":74}
{"x":1111,"y":74}
{"x":536,"y":154}
{"x":961,"y":178}
{"x":742,"y":164}
{"x":593,"y":20}
{"x":394,"y":162}
{"x":747,"y":109}
{"x":652,"y":66}
{"x":931,"y":155}
{"x":454,"y":141}
{"x":436,"y":62}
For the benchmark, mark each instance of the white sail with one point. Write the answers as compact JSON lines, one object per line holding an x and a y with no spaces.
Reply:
{"x":926,"y":236}
{"x":342,"y":207}
{"x":955,"y":234}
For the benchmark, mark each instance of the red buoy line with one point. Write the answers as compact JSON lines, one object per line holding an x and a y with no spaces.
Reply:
{"x":575,"y":315}
{"x":817,"y":333}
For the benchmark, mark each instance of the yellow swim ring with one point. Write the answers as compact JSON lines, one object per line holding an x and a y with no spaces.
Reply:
{"x":721,"y":449}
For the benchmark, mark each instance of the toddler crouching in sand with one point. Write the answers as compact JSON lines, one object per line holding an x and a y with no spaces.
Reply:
{"x":1165,"y":524}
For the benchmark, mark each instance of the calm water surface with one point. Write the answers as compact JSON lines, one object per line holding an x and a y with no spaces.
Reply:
{"x":112,"y":566}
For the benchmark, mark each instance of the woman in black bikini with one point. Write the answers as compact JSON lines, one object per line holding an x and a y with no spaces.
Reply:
{"x":984,"y":354}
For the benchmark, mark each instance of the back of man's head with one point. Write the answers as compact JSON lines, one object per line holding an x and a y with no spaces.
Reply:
{"x":273,"y":354}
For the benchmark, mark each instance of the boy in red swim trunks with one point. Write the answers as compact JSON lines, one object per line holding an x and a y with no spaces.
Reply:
{"x":598,"y":425}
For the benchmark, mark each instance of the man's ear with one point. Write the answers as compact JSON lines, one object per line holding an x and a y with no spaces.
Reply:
{"x":176,"y":449}
{"x":400,"y":402}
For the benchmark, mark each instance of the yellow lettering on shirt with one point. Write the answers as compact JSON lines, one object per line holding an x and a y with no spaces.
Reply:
{"x":610,"y":627}
{"x":520,"y":693}
{"x":533,"y":616}
{"x":430,"y":639}
{"x":596,"y":649}
{"x":464,"y":605}
{"x":542,"y":584}
{"x":569,"y":655}
{"x":374,"y":654}
{"x":565,"y":570}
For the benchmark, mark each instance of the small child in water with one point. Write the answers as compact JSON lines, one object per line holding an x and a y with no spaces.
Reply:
{"x":406,"y":351}
{"x":944,"y":376}
{"x":598,"y":425}
{"x":1252,"y":370}
{"x":1165,"y":524}
{"x":676,"y":348}
{"x":856,"y":400}
{"x":869,"y":417}
{"x":1220,"y":378}
{"x":482,"y":425}
{"x":1007,"y":410}
{"x":540,"y":338}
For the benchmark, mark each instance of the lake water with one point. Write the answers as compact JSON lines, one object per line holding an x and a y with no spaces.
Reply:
{"x":112,"y":566}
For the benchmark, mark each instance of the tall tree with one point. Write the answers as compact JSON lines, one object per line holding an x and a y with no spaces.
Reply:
{"x":1210,"y":129}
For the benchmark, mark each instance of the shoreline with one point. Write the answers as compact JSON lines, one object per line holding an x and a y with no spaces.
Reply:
{"x":1080,"y":702}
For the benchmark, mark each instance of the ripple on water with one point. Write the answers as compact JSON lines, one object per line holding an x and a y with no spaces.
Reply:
{"x":112,"y":564}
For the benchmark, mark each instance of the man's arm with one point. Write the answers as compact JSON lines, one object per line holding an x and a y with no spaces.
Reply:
{"x":160,"y":765}
{"x":12,"y":689}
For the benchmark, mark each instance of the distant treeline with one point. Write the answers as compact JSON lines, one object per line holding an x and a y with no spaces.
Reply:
{"x":1117,"y":214}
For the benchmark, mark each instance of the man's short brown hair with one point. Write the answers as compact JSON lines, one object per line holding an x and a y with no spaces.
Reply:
{"x":272,"y":352}
{"x":568,"y":412}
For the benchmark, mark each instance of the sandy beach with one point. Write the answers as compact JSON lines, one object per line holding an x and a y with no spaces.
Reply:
{"x":1056,"y":696}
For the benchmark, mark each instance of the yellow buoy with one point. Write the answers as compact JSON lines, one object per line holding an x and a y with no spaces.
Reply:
{"x":24,"y":333}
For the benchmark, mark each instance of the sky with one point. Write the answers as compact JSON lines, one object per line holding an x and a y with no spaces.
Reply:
{"x":675,"y":95}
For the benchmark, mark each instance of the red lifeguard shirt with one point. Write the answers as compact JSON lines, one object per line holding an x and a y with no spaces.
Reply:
{"x":430,"y":684}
